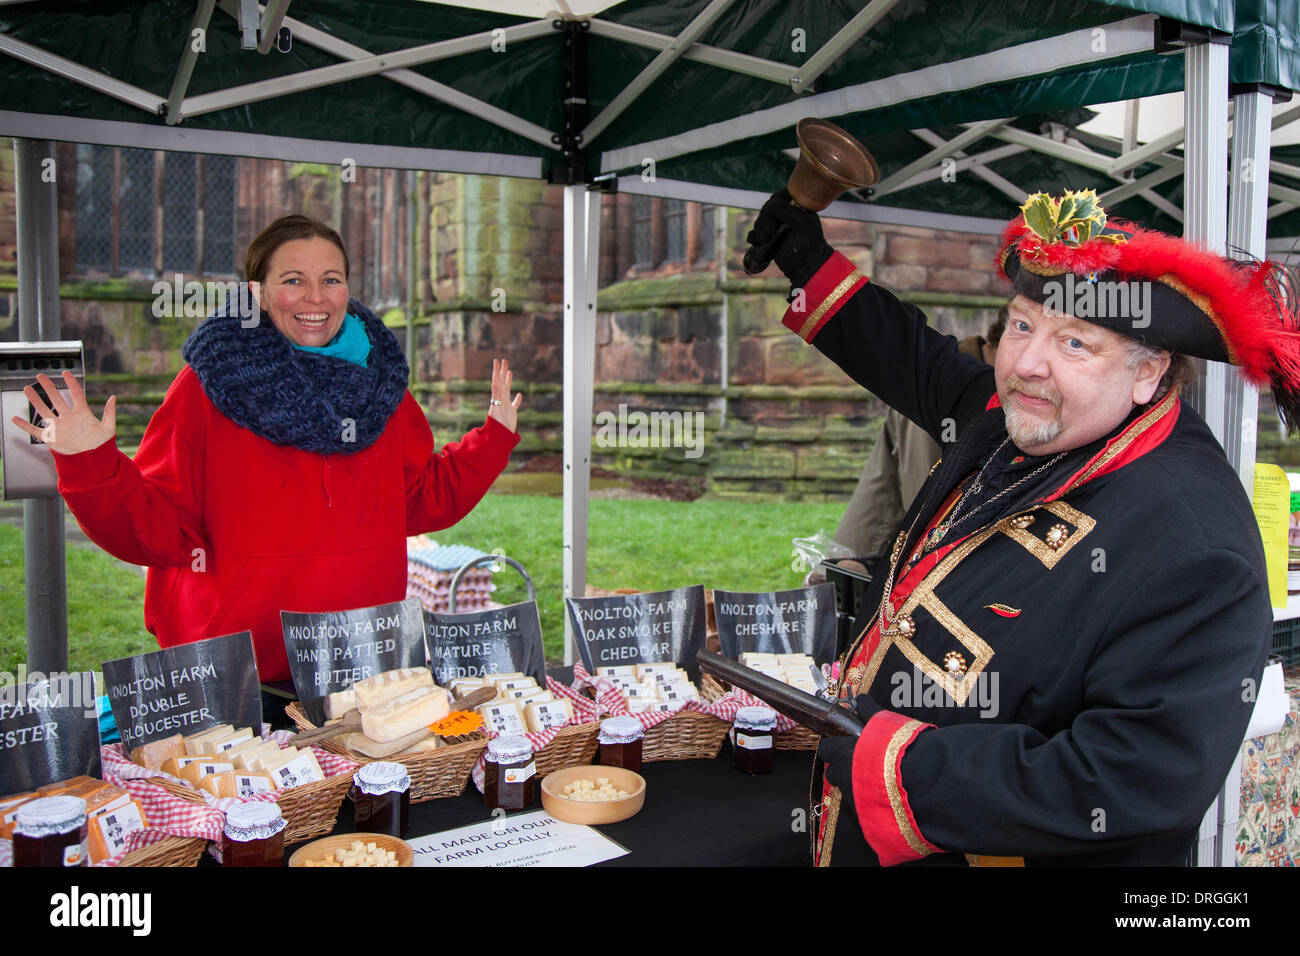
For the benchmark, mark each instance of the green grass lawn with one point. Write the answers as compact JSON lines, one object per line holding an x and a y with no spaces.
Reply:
{"x":633,"y":543}
{"x":105,"y":606}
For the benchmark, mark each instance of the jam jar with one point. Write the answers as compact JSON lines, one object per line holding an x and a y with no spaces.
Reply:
{"x":51,"y":831}
{"x":508,"y":774}
{"x":254,"y":835}
{"x":620,"y":743}
{"x":381,"y":793}
{"x":752,"y":739}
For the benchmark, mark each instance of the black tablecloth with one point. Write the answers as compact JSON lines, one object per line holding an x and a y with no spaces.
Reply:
{"x":696,"y":813}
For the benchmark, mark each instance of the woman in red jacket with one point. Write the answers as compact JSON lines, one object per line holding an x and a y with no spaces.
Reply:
{"x":287,"y":464}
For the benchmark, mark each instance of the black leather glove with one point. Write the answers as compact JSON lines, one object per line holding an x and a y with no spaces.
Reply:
{"x":802,"y":250}
{"x":837,"y":752}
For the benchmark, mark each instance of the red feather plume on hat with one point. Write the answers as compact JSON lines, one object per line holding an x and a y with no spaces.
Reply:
{"x":1253,"y":305}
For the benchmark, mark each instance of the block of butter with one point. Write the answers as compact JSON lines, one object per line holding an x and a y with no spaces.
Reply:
{"x":405,"y":714}
{"x":378,"y":690}
{"x":340,"y":702}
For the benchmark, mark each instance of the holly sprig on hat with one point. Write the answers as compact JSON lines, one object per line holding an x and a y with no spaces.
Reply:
{"x":1072,"y":220}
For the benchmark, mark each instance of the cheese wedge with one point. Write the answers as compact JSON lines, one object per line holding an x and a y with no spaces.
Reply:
{"x":505,"y":717}
{"x":193,"y":739}
{"x":253,"y":759}
{"x":294,"y":770}
{"x":107,"y":832}
{"x":154,"y":755}
{"x":405,"y":714}
{"x":232,"y":740}
{"x":378,"y":690}
{"x":238,"y":749}
{"x":196,"y":771}
{"x":541,"y":715}
{"x":175,"y":765}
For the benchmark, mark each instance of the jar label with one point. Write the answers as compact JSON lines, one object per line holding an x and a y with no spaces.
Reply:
{"x":73,"y":855}
{"x":747,"y":742}
{"x":520,"y":774}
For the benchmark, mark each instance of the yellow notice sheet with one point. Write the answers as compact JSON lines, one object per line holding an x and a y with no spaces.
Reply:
{"x":1272,"y":503}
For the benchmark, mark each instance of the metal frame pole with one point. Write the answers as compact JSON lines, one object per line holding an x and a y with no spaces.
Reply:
{"x":36,"y":208}
{"x":581,"y":258}
{"x":1205,"y":104}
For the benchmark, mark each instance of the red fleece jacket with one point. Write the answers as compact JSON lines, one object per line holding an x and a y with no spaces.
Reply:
{"x":234,"y":529}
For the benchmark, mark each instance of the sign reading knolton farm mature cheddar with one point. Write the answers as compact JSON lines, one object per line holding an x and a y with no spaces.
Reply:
{"x":331,"y":651}
{"x":185,"y":689}
{"x":499,"y":640}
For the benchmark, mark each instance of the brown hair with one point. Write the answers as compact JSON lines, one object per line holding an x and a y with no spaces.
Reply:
{"x":286,"y":229}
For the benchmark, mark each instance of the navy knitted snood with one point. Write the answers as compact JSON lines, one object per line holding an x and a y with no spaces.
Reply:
{"x":256,"y":378}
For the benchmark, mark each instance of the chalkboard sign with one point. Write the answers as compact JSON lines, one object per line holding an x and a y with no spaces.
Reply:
{"x":648,"y":628}
{"x":801,"y":621}
{"x":49,"y":731}
{"x":496,"y":641}
{"x":330,"y":651}
{"x":185,"y":689}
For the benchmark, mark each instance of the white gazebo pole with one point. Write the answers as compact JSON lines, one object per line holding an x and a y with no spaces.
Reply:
{"x":1247,"y":227}
{"x":1205,"y":188}
{"x":581,"y":258}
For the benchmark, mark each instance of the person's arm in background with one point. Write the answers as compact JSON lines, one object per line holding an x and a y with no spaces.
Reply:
{"x":442,"y":488}
{"x":147,"y":510}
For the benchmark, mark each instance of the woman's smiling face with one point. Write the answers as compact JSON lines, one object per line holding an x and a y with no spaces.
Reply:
{"x":306,"y":291}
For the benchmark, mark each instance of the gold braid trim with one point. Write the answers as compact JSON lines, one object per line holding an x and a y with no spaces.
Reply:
{"x":1134,"y":431}
{"x":900,"y":737}
{"x":1202,"y":302}
{"x":836,"y":294}
{"x":832,"y":818}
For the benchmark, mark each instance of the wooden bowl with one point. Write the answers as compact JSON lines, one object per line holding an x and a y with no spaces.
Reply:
{"x":590,"y":814}
{"x":319,"y":849}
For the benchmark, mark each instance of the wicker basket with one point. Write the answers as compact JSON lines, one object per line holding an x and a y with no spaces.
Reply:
{"x":310,"y":811}
{"x":686,"y":735}
{"x":800,"y":738}
{"x":434,"y":773}
{"x":172,"y":851}
{"x":573,"y":746}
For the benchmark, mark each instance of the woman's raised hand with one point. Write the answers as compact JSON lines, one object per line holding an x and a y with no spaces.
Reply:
{"x":502,"y":408}
{"x":69,"y":429}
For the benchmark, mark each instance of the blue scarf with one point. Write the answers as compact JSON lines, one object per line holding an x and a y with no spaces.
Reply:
{"x":312,"y":398}
{"x":350,"y":344}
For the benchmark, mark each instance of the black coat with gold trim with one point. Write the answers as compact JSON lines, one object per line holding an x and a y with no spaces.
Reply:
{"x":1112,"y":622}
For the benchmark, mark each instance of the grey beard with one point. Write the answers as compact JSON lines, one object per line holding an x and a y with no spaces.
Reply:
{"x":1028,"y":436}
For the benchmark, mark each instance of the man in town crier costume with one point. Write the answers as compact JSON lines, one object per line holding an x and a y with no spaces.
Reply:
{"x":1082,"y":550}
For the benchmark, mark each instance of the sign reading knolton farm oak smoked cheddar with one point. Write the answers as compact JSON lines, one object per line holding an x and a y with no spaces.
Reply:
{"x":184,"y":689}
{"x":499,"y":640}
{"x":330,"y":651}
{"x":801,"y":621}
{"x":658,"y":626}
{"x":49,"y":731}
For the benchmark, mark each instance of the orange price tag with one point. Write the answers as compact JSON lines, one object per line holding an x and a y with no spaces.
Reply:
{"x":456,"y":723}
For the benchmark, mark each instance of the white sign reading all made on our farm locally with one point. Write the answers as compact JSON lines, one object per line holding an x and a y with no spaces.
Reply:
{"x":528,"y":839}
